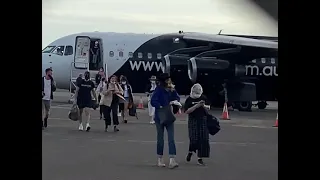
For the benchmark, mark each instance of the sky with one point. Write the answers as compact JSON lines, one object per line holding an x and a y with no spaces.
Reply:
{"x":64,"y":17}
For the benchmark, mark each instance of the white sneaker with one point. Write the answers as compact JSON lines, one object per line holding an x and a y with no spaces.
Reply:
{"x":161,"y":163}
{"x":173,"y":163}
{"x":88,"y":127}
{"x":152,"y":122}
{"x":119,"y":114}
{"x":81,"y":127}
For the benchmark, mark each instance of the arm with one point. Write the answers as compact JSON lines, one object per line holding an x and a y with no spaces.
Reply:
{"x":175,"y":96}
{"x":155,"y":99}
{"x":189,"y":107}
{"x":76,"y":95}
{"x":148,"y":87}
{"x":120,"y":90}
{"x":207,"y":103}
{"x":93,"y":92}
{"x":53,"y":86}
{"x":106,"y":91}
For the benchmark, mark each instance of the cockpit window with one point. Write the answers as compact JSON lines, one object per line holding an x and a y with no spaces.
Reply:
{"x":48,"y":49}
{"x":59,"y":50}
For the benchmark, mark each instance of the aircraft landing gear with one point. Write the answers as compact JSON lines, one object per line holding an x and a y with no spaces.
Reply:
{"x":243,"y":106}
{"x":261,"y":104}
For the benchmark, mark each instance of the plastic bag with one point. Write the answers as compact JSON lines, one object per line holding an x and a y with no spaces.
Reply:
{"x":74,"y":113}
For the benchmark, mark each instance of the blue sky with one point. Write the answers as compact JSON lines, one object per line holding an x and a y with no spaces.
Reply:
{"x":63,"y":17}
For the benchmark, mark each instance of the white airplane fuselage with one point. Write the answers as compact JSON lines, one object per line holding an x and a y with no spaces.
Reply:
{"x":139,"y":56}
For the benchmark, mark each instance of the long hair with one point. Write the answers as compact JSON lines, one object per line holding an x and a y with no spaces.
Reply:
{"x":124,"y":78}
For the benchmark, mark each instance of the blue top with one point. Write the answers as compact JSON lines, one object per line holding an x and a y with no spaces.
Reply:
{"x":162,"y":97}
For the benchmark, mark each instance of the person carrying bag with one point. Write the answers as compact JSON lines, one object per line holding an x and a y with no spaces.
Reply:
{"x":163,"y":97}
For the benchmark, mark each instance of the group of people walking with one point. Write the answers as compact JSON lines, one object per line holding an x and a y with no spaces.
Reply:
{"x":161,"y":95}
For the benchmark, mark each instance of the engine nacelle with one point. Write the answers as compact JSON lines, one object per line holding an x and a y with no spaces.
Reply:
{"x":174,"y":62}
{"x":207,"y":66}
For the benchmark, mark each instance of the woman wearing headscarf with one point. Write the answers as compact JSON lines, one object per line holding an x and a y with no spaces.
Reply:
{"x":196,"y":108}
{"x":149,"y":90}
{"x":164,"y":95}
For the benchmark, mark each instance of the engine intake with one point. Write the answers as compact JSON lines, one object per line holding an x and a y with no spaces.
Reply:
{"x":207,"y":66}
{"x":170,"y":62}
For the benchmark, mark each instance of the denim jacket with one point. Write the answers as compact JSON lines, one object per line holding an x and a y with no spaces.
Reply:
{"x":162,"y":97}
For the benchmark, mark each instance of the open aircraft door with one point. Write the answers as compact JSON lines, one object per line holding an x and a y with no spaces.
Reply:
{"x":82,"y":52}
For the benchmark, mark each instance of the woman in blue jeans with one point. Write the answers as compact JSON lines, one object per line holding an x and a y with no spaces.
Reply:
{"x":164,"y":95}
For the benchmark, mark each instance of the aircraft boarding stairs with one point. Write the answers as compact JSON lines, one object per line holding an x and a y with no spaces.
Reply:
{"x":74,"y":74}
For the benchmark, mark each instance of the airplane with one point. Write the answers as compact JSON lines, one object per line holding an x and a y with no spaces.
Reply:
{"x":246,"y":67}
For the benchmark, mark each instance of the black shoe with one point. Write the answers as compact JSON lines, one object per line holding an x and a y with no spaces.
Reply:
{"x":200,"y":162}
{"x":125,"y":121}
{"x":189,"y":157}
{"x":45,"y":124}
{"x":100,"y":117}
{"x":115,"y":129}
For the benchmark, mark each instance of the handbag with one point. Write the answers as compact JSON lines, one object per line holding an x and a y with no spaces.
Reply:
{"x":213,"y":124}
{"x":166,"y":115}
{"x":74,"y":113}
{"x":133,"y":110}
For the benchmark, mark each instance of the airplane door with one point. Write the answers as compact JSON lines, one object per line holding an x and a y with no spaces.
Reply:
{"x":82,"y":50}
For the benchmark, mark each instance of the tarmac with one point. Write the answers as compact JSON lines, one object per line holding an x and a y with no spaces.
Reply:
{"x":245,"y":148}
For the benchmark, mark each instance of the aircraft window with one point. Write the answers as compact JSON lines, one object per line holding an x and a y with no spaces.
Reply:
{"x":130,"y":54}
{"x":273,"y":61}
{"x":68,"y":51}
{"x":140,"y":55}
{"x":263,"y":60}
{"x":59,"y":50}
{"x":159,"y":56}
{"x":111,"y":53}
{"x":120,"y":54}
{"x":48,"y":49}
{"x":149,"y":55}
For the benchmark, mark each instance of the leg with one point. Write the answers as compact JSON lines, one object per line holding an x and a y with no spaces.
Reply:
{"x":106,"y":114}
{"x":87,"y":113}
{"x":160,"y":144}
{"x":151,"y":112}
{"x":172,"y":146}
{"x":114,"y":109}
{"x":125,"y":113}
{"x":160,"y":139}
{"x":80,"y":119}
{"x":101,"y":111}
{"x":47,"y":105}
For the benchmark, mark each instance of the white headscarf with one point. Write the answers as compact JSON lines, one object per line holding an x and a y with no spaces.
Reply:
{"x":196,"y":91}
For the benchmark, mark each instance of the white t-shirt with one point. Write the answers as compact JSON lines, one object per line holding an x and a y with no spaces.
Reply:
{"x":47,"y":89}
{"x":125,"y":91}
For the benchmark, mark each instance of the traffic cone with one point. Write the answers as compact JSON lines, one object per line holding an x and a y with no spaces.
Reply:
{"x":225,"y":113}
{"x":276,"y":124}
{"x":140,"y":105}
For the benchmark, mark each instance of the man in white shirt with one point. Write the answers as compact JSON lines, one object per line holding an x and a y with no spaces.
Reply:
{"x":48,"y":87}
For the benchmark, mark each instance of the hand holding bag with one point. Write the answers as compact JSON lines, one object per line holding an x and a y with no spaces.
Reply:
{"x":166,"y":115}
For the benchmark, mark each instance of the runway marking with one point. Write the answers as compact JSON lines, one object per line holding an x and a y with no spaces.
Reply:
{"x":253,"y":126}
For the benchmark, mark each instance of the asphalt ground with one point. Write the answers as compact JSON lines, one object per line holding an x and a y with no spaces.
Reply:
{"x":245,"y":148}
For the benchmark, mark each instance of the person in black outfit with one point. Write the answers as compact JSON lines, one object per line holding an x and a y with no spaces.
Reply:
{"x":83,"y":98}
{"x":95,"y":55}
{"x":110,"y":102}
{"x":197,"y":124}
{"x":101,"y":74}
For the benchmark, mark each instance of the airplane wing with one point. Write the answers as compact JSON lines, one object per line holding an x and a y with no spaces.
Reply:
{"x":241,"y":41}
{"x":269,"y":38}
